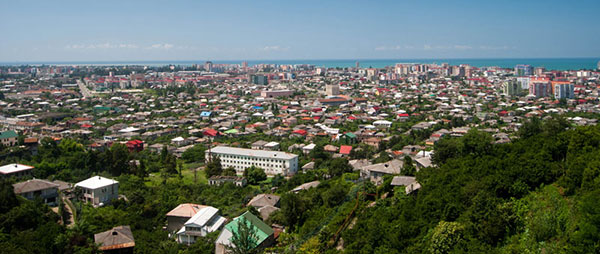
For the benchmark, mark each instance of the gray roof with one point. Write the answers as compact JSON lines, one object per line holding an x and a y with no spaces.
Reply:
{"x":252,"y":152}
{"x":403,"y":180}
{"x":33,"y":185}
{"x":390,"y":167}
{"x":261,"y":200}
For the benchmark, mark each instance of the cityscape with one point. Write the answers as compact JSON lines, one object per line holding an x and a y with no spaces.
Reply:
{"x":136,"y":147}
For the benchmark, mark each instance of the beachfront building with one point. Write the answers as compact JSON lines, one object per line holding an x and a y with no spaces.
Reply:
{"x":273,"y":162}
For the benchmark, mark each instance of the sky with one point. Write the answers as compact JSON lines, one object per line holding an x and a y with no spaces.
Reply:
{"x":131,"y":30}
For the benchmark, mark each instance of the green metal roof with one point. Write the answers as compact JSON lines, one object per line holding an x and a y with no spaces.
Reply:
{"x":263,"y":231}
{"x":8,"y":134}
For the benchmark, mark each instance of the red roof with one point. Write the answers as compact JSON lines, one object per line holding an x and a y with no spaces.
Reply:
{"x":345,"y":149}
{"x":210,"y":132}
{"x":301,"y":132}
{"x":403,"y":115}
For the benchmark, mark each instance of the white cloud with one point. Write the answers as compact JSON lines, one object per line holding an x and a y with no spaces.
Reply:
{"x":108,"y":45}
{"x":275,"y":48}
{"x":428,"y":47}
{"x":161,"y":46}
{"x":494,"y":47}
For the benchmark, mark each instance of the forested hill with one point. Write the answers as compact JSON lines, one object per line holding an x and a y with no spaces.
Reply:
{"x":538,"y":194}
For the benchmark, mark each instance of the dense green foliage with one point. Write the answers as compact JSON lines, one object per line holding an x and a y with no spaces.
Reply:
{"x":537,"y":194}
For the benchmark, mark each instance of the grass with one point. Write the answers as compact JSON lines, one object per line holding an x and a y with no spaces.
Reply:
{"x":187,"y":174}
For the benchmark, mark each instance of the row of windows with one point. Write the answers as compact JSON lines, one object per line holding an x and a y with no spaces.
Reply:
{"x":238,"y":157}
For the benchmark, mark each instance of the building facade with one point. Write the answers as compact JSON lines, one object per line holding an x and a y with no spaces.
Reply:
{"x":98,"y":190}
{"x":564,"y":91}
{"x":272,"y":162}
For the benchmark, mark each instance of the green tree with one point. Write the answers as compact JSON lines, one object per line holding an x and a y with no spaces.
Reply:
{"x":255,"y":175}
{"x":243,"y":240}
{"x":229,"y":171}
{"x":213,"y":167}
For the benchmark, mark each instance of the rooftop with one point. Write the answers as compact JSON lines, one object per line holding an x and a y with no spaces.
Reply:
{"x":95,"y":182}
{"x":13,"y":168}
{"x":252,"y":153}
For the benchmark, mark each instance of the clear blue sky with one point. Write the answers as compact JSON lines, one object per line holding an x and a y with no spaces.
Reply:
{"x":127,"y":30}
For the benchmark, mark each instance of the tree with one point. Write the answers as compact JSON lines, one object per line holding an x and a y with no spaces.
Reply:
{"x":243,"y":240}
{"x":255,"y":174}
{"x":338,"y":166}
{"x":8,"y":199}
{"x":409,"y":168}
{"x":194,"y":154}
{"x":445,"y":236}
{"x":213,"y":167}
{"x":118,"y":159}
{"x":292,"y":208}
{"x":229,"y":171}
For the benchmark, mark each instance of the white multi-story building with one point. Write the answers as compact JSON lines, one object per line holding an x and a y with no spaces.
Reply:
{"x":98,"y":190}
{"x":272,"y":162}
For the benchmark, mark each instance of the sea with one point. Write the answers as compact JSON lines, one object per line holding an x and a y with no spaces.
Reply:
{"x":548,"y":63}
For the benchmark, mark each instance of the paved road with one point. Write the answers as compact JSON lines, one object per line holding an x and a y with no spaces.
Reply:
{"x":84,"y":90}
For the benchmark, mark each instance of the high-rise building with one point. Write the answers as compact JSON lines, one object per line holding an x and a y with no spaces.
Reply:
{"x":332,"y":89}
{"x":524,"y":82}
{"x":540,"y":88}
{"x":208,"y":66}
{"x":358,"y":65}
{"x":539,"y":71}
{"x":512,"y":88}
{"x":523,"y":70}
{"x":244,"y":65}
{"x":563,"y":90}
{"x":258,"y":79}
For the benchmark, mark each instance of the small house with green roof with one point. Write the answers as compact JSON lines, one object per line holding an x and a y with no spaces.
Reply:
{"x":263,"y":236}
{"x":9,"y":138}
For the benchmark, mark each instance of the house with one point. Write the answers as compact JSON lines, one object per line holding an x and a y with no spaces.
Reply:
{"x":271,"y":146}
{"x":98,"y":190}
{"x":306,"y":186}
{"x":262,"y":200}
{"x":345,"y":150}
{"x":135,"y":145}
{"x":308,"y":148}
{"x":31,"y":189}
{"x":264,"y":233}
{"x":15,"y":170}
{"x":265,"y":204}
{"x":205,"y":221}
{"x":219,"y":180}
{"x":258,"y":145}
{"x":117,"y":240}
{"x":177,"y":217}
{"x":376,"y":172}
{"x":9,"y":138}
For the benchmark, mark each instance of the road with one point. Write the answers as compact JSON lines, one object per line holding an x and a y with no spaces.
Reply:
{"x":84,"y":90}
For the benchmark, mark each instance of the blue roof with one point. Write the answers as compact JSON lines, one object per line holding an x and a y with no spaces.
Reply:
{"x":205,"y":113}
{"x":257,"y":107}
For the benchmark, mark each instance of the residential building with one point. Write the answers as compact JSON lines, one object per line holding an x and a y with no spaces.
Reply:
{"x":31,"y":189}
{"x":116,"y":240}
{"x":9,"y":138}
{"x":205,"y":221}
{"x":15,"y":170}
{"x":376,"y":172}
{"x":332,"y":89}
{"x":273,"y":162}
{"x":264,"y":233}
{"x":523,"y":70}
{"x":98,"y":190}
{"x":512,"y":88}
{"x":177,"y":217}
{"x":276,"y":93}
{"x":563,"y":90}
{"x":258,"y":80}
